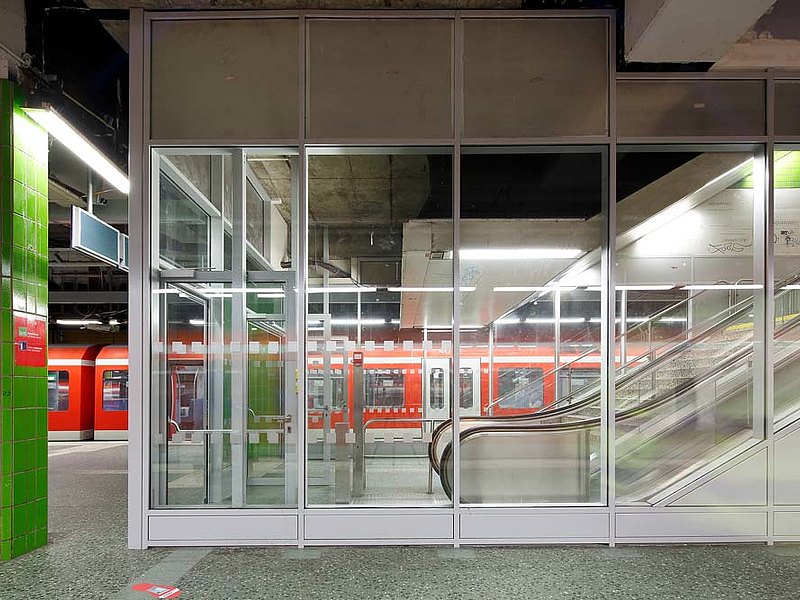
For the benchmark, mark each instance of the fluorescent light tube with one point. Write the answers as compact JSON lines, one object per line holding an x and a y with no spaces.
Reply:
{"x":78,"y":322}
{"x":197,"y":322}
{"x":517,"y":253}
{"x":522,"y":288}
{"x":341,"y":290}
{"x":358,"y":321}
{"x":65,"y":133}
{"x":429,"y":289}
{"x":723,"y":286}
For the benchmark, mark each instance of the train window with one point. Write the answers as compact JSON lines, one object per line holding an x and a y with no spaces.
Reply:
{"x":520,"y":387}
{"x":573,"y":380}
{"x":384,"y":387}
{"x":466,"y":385}
{"x":316,"y":384}
{"x":57,"y":391}
{"x":436,"y":381}
{"x":115,"y":390}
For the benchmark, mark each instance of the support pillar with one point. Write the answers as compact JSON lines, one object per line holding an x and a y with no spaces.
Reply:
{"x":23,"y":322}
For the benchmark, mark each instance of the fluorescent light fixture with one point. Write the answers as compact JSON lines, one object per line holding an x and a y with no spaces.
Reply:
{"x":523,"y":288}
{"x":791,"y":287}
{"x":271,"y":295}
{"x":342,"y":289}
{"x":166,"y":291}
{"x":636,"y":319}
{"x":545,"y":320}
{"x":724,"y":286}
{"x":113,"y":322}
{"x":599,"y":320}
{"x":358,"y":321}
{"x":65,"y":133}
{"x":673,"y":320}
{"x":517,"y":253}
{"x":644,"y":288}
{"x":395,"y":321}
{"x":507,"y":321}
{"x":78,"y":322}
{"x":429,"y":289}
{"x":197,"y":322}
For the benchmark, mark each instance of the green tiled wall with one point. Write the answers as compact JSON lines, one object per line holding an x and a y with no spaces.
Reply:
{"x":787,"y":172}
{"x":23,"y":291}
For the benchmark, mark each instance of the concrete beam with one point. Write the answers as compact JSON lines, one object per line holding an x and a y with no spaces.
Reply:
{"x":87,"y":297}
{"x":683,"y":31}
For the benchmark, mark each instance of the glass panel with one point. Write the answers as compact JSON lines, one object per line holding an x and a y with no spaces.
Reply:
{"x":224,"y":359}
{"x":691,"y":108}
{"x":535,"y":77}
{"x":437,"y":388}
{"x":115,"y":390}
{"x":209,"y":79}
{"x":380,"y":79}
{"x":689,"y":275}
{"x":57,"y":391}
{"x":466,"y":388}
{"x":271,"y":412}
{"x":520,"y":387}
{"x":787,"y":99}
{"x":787,"y":285}
{"x":385,"y":387}
{"x":380,"y":335}
{"x":531,"y":230}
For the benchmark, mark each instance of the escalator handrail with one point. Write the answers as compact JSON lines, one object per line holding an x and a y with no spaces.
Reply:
{"x":594,"y":394}
{"x":586,"y":398}
{"x":630,"y":413}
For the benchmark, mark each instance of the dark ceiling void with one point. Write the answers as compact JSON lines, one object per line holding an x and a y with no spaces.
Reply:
{"x":77,"y":67}
{"x":531,"y":186}
{"x":636,"y":170}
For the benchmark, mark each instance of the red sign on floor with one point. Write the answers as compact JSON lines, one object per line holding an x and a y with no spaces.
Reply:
{"x":30,"y":341}
{"x":157,"y":591}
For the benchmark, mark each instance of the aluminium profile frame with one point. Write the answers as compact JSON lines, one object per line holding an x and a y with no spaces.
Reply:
{"x":141,"y":142}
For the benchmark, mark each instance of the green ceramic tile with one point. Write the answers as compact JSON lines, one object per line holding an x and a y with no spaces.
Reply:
{"x":5,"y":523}
{"x":19,"y":165}
{"x":18,"y":230}
{"x":20,"y":201}
{"x":5,"y":550}
{"x":40,"y":482}
{"x":19,"y":546}
{"x":19,"y":491}
{"x":6,"y":487}
{"x":41,"y":536}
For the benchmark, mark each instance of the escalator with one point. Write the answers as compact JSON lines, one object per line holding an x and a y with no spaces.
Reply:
{"x":678,"y":409}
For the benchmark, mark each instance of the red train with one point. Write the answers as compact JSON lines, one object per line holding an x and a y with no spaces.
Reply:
{"x":87,"y":392}
{"x":88,"y":388}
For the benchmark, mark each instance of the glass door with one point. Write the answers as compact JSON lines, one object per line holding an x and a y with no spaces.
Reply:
{"x":270,"y":419}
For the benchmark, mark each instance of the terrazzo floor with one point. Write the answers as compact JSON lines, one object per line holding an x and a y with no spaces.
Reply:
{"x":87,"y":558}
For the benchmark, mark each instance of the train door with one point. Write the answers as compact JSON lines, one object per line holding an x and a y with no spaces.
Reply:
{"x":469,"y":387}
{"x":271,"y":416}
{"x":436,"y":388}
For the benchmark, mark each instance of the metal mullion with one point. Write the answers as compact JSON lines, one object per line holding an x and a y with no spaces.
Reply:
{"x":138,"y":480}
{"x":610,"y":283}
{"x":238,"y":438}
{"x":537,"y":142}
{"x":689,"y":76}
{"x":769,"y":307}
{"x":224,"y":146}
{"x":300,"y":259}
{"x":692,"y":140}
{"x":455,"y":396}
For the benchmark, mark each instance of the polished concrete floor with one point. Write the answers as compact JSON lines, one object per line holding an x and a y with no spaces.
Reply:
{"x":87,"y":559}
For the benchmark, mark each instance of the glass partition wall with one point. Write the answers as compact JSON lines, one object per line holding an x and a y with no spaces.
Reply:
{"x":224,"y":327}
{"x":436,"y":293}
